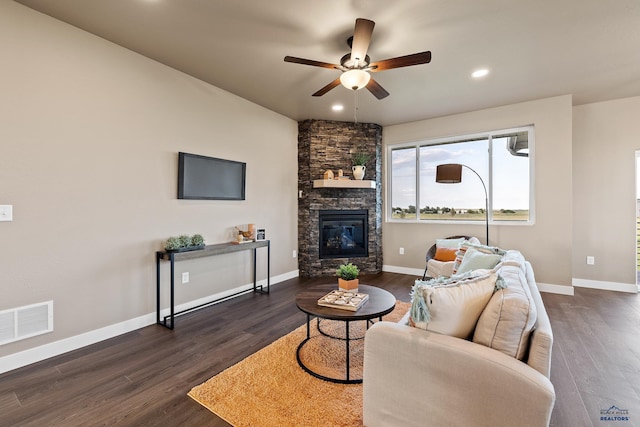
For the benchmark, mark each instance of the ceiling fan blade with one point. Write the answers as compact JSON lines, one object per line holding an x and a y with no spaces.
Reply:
{"x":361,"y":39}
{"x":377,"y":90}
{"x":311,"y":62}
{"x":328,"y":87}
{"x":401,"y":61}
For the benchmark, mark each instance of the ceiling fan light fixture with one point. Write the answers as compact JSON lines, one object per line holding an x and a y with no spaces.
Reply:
{"x":355,"y":79}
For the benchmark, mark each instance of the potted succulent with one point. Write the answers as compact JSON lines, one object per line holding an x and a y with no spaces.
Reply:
{"x":348,"y":277}
{"x":359,"y":161}
{"x":172,"y":244}
{"x":184,"y":243}
{"x":197,"y":240}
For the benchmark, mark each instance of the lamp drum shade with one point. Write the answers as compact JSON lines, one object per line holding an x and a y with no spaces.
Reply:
{"x":450,"y":173}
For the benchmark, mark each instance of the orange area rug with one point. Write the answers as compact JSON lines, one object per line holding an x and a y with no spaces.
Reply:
{"x":269,"y":388}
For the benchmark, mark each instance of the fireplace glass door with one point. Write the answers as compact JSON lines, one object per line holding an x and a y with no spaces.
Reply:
{"x":343,"y":233}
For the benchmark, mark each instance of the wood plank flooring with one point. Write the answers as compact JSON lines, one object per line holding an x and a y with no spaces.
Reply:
{"x":142,"y":378}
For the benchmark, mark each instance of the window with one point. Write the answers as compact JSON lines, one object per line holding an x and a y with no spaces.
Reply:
{"x":502,"y":159}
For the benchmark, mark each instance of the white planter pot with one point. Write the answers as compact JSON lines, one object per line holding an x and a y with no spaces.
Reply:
{"x":358,"y":171}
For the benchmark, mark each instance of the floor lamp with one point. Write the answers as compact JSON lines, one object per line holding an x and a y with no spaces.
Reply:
{"x":451,"y":173}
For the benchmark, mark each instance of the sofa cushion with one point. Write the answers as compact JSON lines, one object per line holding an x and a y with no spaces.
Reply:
{"x":452,"y":306}
{"x":515,"y":258}
{"x":507,"y":320}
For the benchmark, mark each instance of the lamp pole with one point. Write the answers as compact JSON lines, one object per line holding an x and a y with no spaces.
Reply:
{"x":486,"y":201}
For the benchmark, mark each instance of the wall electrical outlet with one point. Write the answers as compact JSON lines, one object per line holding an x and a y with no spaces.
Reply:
{"x":6,"y":212}
{"x":295,"y":253}
{"x":591,"y":260}
{"x":401,"y":251}
{"x":185,"y":277}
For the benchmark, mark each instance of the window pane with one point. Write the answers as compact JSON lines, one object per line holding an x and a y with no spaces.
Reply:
{"x":463,"y":201}
{"x":403,"y":183}
{"x":511,"y":178}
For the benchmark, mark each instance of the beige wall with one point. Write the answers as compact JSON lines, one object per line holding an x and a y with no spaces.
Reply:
{"x":89,"y":136}
{"x":605,"y":140}
{"x":547,"y":243}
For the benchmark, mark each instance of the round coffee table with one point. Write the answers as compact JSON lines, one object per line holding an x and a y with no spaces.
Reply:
{"x":380,"y":303}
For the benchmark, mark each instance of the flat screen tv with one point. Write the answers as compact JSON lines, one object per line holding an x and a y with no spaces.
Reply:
{"x":209,"y":178}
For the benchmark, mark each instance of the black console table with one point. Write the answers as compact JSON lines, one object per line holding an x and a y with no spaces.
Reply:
{"x":209,"y":250}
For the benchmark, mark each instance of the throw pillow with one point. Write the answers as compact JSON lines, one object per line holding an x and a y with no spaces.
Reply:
{"x":445,"y":254}
{"x":477,"y":246}
{"x":474,"y":260}
{"x":451,"y":306}
{"x":449,"y":243}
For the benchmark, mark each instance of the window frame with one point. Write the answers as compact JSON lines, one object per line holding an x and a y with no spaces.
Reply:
{"x":489,"y":135}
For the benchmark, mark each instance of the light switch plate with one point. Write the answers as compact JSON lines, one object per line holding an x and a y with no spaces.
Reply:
{"x":6,"y":212}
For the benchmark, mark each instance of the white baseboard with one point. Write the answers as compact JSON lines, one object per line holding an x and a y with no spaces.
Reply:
{"x":37,"y":354}
{"x":607,"y":286}
{"x":403,"y":270}
{"x":555,"y":289}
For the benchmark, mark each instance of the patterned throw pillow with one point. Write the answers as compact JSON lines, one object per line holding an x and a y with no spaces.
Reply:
{"x":481,"y":248}
{"x":452,"y":306}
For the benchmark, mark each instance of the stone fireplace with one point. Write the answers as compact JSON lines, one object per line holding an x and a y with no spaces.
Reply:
{"x":338,"y":224}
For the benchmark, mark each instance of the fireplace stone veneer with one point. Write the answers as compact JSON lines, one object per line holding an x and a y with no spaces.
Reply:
{"x":328,"y":145}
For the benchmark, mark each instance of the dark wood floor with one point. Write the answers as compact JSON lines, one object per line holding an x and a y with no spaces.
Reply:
{"x":142,"y":378}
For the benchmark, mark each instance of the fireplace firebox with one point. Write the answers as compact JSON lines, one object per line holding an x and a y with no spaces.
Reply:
{"x":343,"y":233}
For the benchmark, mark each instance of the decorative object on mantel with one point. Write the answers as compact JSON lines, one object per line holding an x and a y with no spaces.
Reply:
{"x":328,"y":174}
{"x":348,"y":277}
{"x":359,"y":161}
{"x":246,"y":236}
{"x":184,"y":243}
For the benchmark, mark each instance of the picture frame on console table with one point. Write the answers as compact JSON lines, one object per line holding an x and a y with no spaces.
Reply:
{"x":261,"y":234}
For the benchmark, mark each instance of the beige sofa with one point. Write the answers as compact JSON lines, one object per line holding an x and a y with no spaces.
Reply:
{"x":415,"y":377}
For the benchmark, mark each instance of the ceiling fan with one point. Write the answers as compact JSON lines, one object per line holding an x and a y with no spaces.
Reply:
{"x":356,"y":66}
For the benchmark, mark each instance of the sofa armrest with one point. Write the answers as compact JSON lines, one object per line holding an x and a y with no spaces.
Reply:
{"x":416,"y":378}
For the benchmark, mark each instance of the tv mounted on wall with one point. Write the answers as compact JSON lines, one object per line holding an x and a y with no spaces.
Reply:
{"x":209,"y":178}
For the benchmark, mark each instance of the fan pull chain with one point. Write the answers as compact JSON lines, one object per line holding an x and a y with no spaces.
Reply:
{"x":355,"y":106}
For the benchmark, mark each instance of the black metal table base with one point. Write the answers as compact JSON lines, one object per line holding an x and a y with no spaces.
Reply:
{"x":347,"y":339}
{"x":168,"y":321}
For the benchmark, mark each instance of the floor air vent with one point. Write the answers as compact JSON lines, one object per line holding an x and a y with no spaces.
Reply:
{"x":24,"y":322}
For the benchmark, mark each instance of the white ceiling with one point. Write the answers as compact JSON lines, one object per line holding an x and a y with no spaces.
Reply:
{"x":534,"y":49}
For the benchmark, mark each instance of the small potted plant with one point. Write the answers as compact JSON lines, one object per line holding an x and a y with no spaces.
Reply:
{"x":359,"y":161}
{"x":184,"y":243}
{"x":197,"y":240}
{"x":172,"y":244}
{"x":348,"y":277}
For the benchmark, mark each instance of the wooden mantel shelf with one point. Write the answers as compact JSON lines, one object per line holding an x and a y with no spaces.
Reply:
{"x":343,"y":183}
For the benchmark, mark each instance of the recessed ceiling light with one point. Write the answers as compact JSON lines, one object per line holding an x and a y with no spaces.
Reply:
{"x":479,"y":73}
{"x":337,"y":107}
